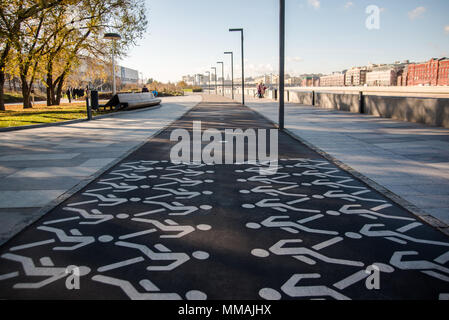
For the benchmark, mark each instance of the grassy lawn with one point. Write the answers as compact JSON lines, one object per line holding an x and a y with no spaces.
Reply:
{"x":16,"y":116}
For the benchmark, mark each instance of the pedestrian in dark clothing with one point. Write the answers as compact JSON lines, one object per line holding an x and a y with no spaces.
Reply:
{"x":69,"y":95}
{"x":145,"y":89}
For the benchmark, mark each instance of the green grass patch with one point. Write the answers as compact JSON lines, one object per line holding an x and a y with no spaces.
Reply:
{"x":42,"y":115}
{"x":194,"y":89}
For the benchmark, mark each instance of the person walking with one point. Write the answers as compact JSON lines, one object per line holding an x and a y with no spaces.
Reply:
{"x":69,"y":95}
{"x":261,"y":90}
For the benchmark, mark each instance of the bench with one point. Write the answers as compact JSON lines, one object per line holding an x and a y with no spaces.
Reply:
{"x":130,"y":101}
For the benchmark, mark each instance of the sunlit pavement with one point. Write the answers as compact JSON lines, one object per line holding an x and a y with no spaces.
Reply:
{"x":149,"y":229}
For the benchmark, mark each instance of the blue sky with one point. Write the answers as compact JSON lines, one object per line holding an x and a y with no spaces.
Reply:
{"x":188,"y":37}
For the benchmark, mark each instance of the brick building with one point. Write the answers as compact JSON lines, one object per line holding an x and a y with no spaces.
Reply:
{"x":432,"y":73}
{"x":443,"y":72}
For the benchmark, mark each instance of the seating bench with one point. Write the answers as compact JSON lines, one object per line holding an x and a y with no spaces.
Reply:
{"x":129,"y":101}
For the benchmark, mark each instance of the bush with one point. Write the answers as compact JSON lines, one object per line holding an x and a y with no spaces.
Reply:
{"x":193,"y":89}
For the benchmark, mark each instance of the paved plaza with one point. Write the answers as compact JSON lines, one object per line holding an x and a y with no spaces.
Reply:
{"x":150,"y":229}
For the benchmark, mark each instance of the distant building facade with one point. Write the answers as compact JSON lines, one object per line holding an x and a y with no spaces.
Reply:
{"x":432,"y":73}
{"x":356,"y":77}
{"x":293,"y":81}
{"x":190,"y":80}
{"x":333,"y":80}
{"x":128,"y":75}
{"x":310,"y":81}
{"x":383,"y":76}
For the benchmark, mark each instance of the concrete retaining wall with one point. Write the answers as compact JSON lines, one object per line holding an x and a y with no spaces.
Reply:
{"x":338,"y":101}
{"x":305,"y":98}
{"x":430,"y":111}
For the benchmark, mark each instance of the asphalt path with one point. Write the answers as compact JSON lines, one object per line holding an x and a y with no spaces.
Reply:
{"x":150,"y":229}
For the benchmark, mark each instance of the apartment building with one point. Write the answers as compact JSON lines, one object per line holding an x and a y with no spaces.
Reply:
{"x":386,"y":76}
{"x":356,"y":77}
{"x":333,"y":80}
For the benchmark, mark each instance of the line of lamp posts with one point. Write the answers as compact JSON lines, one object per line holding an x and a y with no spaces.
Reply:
{"x":231,"y":54}
{"x":281,"y":65}
{"x":222,"y":76}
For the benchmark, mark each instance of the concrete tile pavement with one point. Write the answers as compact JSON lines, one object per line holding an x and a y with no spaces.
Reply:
{"x":410,"y":160}
{"x":39,"y":165}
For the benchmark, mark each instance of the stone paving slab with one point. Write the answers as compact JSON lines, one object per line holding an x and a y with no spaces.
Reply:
{"x":45,"y":163}
{"x":18,"y":184}
{"x":49,"y":172}
{"x":28,"y":199}
{"x":37,"y":156}
{"x":389,"y":152}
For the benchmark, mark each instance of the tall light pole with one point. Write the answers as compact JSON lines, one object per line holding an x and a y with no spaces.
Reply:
{"x":215,"y":73}
{"x":232,"y":72}
{"x":281,"y":62}
{"x":243,"y":64}
{"x":222,"y":75}
{"x":113,"y":37}
{"x":208,"y":73}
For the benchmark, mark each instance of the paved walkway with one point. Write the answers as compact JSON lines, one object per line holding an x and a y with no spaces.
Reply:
{"x":39,"y":165}
{"x":411,"y":160}
{"x":148,"y":229}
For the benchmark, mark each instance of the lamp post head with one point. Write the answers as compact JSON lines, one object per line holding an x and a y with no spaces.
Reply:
{"x":112,"y":36}
{"x":230,"y":52}
{"x":236,"y":29}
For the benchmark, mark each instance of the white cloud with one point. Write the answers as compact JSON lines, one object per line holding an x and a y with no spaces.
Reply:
{"x":314,"y":3}
{"x":446,"y":29}
{"x":416,"y":13}
{"x":349,"y":4}
{"x":253,"y":69}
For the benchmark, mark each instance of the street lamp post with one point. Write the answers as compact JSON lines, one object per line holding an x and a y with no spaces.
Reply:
{"x":208,"y":73}
{"x":222,"y":76}
{"x":232,"y":72}
{"x":281,"y":62}
{"x":113,"y":37}
{"x":215,"y":73}
{"x":243,"y":63}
